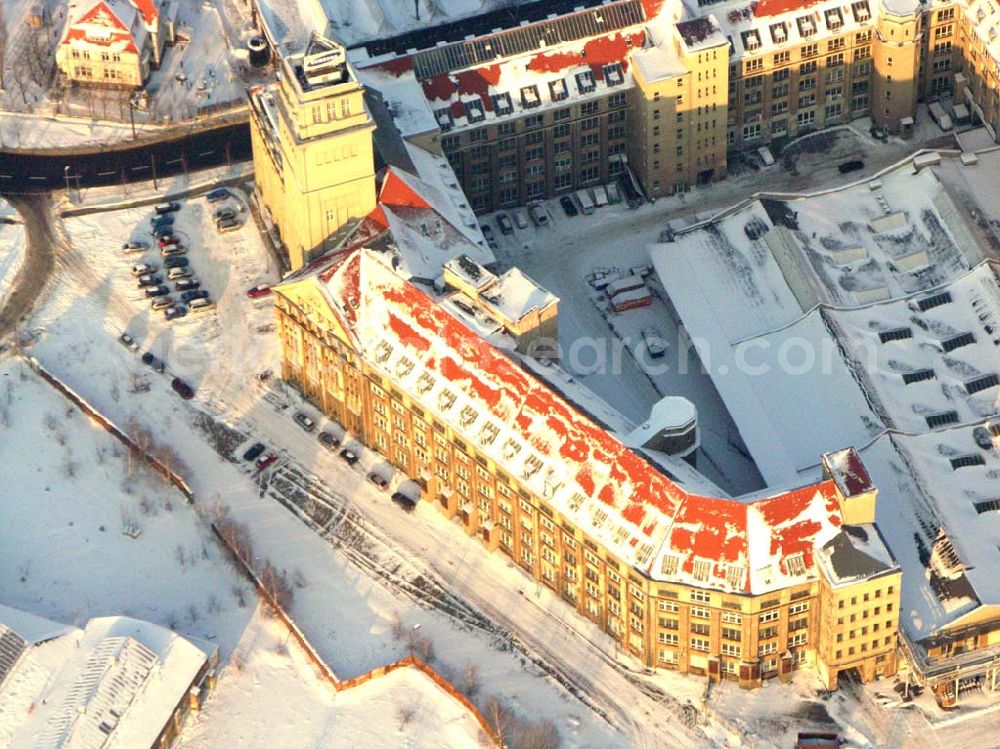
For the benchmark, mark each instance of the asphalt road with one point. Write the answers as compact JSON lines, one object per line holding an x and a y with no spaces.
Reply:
{"x":43,"y":172}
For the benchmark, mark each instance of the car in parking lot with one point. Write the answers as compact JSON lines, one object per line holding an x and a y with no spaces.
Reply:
{"x":266,"y":462}
{"x":160,"y":290}
{"x":128,"y":342}
{"x":520,"y":218}
{"x":201,"y":305}
{"x":164,"y":208}
{"x":491,"y":238}
{"x":304,"y":421}
{"x":379,"y":480}
{"x":165,"y":239}
{"x":174,"y":274}
{"x":165,"y":220}
{"x":261,"y":289}
{"x":227,"y":225}
{"x":224,"y":213}
{"x":190,"y":296}
{"x":187,"y":284}
{"x":539,"y":215}
{"x":175,"y":261}
{"x":161,"y":302}
{"x":143,"y":269}
{"x":348,"y":456}
{"x":151,"y":361}
{"x":182,"y":388}
{"x":148,"y":280}
{"x":255,"y":451}
{"x":219,"y":193}
{"x":328,"y":440}
{"x":568,"y":206}
{"x":503,"y":221}
{"x":174,"y":311}
{"x":132,"y":248}
{"x":172,"y":249}
{"x":404,"y":501}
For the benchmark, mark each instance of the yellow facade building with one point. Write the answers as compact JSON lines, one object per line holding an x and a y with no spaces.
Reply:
{"x":313,"y":151}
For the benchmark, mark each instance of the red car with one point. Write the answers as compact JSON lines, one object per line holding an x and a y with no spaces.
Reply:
{"x":169,"y":239}
{"x":182,"y":389}
{"x":261,"y":289}
{"x":266,"y":461}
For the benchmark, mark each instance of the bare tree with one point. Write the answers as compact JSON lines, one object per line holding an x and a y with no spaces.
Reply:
{"x":470,"y":680}
{"x":3,"y":45}
{"x":405,"y":714}
{"x":500,"y":716}
{"x":540,"y":735}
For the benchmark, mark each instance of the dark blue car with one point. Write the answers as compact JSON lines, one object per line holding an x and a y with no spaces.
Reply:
{"x":219,"y":193}
{"x":190,"y":296}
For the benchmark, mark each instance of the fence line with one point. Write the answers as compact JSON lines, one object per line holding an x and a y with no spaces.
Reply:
{"x":245,"y":567}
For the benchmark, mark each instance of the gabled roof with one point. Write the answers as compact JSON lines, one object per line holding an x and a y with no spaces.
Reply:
{"x":120,"y":19}
{"x":588,"y":475}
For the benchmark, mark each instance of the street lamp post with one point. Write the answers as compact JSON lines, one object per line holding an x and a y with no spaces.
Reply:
{"x":66,"y":175}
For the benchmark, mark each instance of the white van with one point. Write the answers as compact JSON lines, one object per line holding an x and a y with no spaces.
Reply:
{"x":600,"y":196}
{"x":586,"y":204}
{"x":939,"y":115}
{"x":201,"y":305}
{"x":520,"y":218}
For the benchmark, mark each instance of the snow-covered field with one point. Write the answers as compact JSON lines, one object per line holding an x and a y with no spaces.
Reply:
{"x":11,"y":248}
{"x":72,"y":491}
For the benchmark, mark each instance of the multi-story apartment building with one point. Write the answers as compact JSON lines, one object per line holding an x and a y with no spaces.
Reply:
{"x":313,"y":151}
{"x":732,"y":588}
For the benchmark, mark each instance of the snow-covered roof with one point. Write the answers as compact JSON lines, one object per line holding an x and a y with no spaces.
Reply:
{"x":411,"y":114}
{"x":670,"y":413}
{"x":931,"y":357}
{"x":589,"y":476}
{"x":857,"y":553}
{"x":514,"y":295}
{"x":116,"y":25}
{"x":115,"y":684}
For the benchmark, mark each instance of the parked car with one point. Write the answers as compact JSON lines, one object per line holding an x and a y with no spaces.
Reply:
{"x":162,"y":232}
{"x":266,"y":462}
{"x":261,"y":289}
{"x":539,"y":215}
{"x":165,"y":239}
{"x":175,"y":261}
{"x":128,"y":342}
{"x":148,"y":280}
{"x":304,"y":421}
{"x":187,"y":284}
{"x":164,"y":220}
{"x":227,"y":225}
{"x":254,"y":452}
{"x":143,"y":269}
{"x":174,"y":312}
{"x":133,"y":248}
{"x":201,"y":305}
{"x":491,"y":238}
{"x":851,"y":166}
{"x":172,"y":249}
{"x":328,"y":440}
{"x":224,"y":213}
{"x":174,"y":274}
{"x":219,"y":193}
{"x":348,"y":456}
{"x":190,"y":296}
{"x":520,"y":218}
{"x":182,"y":388}
{"x":404,"y":501}
{"x":151,"y":361}
{"x":568,"y":206}
{"x":152,"y":291}
{"x":379,"y":480}
{"x":161,"y":302}
{"x":164,"y":208}
{"x":503,"y":221}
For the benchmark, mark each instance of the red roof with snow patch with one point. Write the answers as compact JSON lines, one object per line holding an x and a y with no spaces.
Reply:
{"x":376,"y":304}
{"x":767,"y":8}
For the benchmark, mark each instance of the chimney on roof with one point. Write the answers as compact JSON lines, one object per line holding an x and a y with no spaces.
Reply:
{"x":856,"y":494}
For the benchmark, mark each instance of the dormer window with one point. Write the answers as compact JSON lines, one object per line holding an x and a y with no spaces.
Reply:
{"x":502,"y":104}
{"x":751,"y":40}
{"x":558,"y":90}
{"x":474,"y":110}
{"x":833,"y":19}
{"x":444,"y":120}
{"x":779,"y":33}
{"x":613,"y":74}
{"x":861,"y":11}
{"x":529,"y":97}
{"x":585,"y":81}
{"x":807,"y":26}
